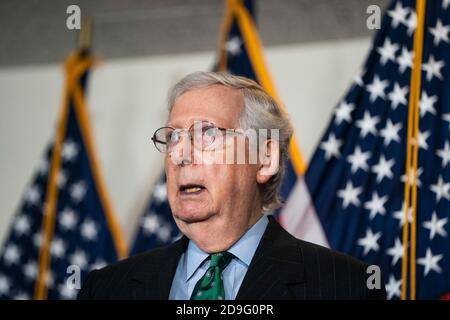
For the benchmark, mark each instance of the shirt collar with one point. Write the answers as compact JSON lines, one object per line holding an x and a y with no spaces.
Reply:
{"x":244,"y":249}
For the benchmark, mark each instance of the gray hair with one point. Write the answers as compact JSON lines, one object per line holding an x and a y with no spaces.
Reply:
{"x":261,"y":111}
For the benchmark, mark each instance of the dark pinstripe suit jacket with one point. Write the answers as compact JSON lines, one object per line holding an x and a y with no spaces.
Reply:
{"x":283,"y":267}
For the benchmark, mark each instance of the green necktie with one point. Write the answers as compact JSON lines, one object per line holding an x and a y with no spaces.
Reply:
{"x":210,"y":286}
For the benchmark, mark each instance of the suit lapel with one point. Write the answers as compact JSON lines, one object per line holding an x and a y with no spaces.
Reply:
{"x":277,"y":263}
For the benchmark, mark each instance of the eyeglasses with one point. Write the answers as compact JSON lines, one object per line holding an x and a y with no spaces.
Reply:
{"x":203,"y":135}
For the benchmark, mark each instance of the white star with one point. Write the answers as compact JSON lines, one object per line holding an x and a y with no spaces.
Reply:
{"x":4,"y":285}
{"x":160,"y":193}
{"x":32,"y":195}
{"x":69,"y":150}
{"x":430,"y":262}
{"x":21,"y":296}
{"x":349,"y":195}
{"x":433,"y":68}
{"x":445,"y":4}
{"x":89,"y":230}
{"x":390,"y":132}
{"x":446,"y":117}
{"x":444,"y":154}
{"x":423,"y":137}
{"x":58,"y":248}
{"x":22,"y":225}
{"x":440,"y":33}
{"x":387,"y":51}
{"x":30,"y":270}
{"x":343,"y":112}
{"x":396,"y":251}
{"x":78,"y":190}
{"x":358,"y":160}
{"x":412,"y":176}
{"x":61,"y":179}
{"x":49,"y":279}
{"x":43,"y":166}
{"x":358,"y":78}
{"x":427,"y":104}
{"x":383,"y":168}
{"x":441,"y":189}
{"x":12,"y":254}
{"x":376,"y":205}
{"x":150,"y":223}
{"x":411,"y":23}
{"x":400,"y":215}
{"x":393,"y":288}
{"x":37,"y":239}
{"x":67,"y":219}
{"x":398,"y":96}
{"x":376,"y":88}
{"x":367,"y":124}
{"x":164,"y":233}
{"x":370,"y":241}
{"x":233,"y":46}
{"x":405,"y":59}
{"x":66,"y":292}
{"x":436,"y":226}
{"x":79,"y":258}
{"x":331,"y":147}
{"x":398,"y":14}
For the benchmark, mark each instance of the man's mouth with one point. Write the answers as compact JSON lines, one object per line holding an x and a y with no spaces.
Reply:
{"x":191,"y":189}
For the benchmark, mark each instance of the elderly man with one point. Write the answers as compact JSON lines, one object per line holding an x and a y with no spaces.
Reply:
{"x":231,"y":248}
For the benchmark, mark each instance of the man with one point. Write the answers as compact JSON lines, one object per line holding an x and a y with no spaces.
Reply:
{"x":230,"y":248}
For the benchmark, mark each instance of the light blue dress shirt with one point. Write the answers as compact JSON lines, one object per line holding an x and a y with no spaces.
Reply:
{"x":193,"y":264}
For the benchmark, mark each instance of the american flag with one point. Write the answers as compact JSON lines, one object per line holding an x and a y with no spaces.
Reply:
{"x":157,"y":226}
{"x":356,"y":177}
{"x":81,"y":233}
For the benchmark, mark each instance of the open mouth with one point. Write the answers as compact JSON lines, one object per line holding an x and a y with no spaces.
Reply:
{"x":191,"y":189}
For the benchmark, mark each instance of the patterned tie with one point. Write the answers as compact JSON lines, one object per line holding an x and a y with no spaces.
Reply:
{"x":210,"y":286}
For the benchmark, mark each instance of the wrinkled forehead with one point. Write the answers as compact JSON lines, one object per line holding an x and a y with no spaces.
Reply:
{"x":218,"y":104}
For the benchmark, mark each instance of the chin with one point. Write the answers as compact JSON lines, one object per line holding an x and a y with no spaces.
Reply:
{"x":192,"y":214}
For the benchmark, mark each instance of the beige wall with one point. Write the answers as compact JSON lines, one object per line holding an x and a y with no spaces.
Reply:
{"x":127,"y":102}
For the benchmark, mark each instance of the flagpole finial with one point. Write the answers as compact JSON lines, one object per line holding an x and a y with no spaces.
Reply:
{"x":85,"y":34}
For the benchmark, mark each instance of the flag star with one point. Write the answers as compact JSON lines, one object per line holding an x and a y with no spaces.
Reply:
{"x":331,"y":147}
{"x":398,"y":96}
{"x":400,"y":215}
{"x":427,"y":104}
{"x":376,"y":88}
{"x":436,"y":226}
{"x":49,"y":279}
{"x":79,"y":258}
{"x":12,"y":254}
{"x":349,"y":195}
{"x":412,"y":176}
{"x":433,"y":68}
{"x":68,"y":219}
{"x":30,"y":270}
{"x":398,"y":14}
{"x":423,"y":137}
{"x":32,"y":195}
{"x":383,"y":168}
{"x":444,"y":154}
{"x":411,"y":22}
{"x":61,"y":179}
{"x":37,"y":239}
{"x":233,"y":46}
{"x":21,"y":296}
{"x":396,"y":251}
{"x":66,"y":292}
{"x":89,"y":230}
{"x":343,"y":112}
{"x":358,"y":79}
{"x":393,"y":288}
{"x":4,"y":285}
{"x":430,"y":262}
{"x":164,"y":233}
{"x":405,"y":59}
{"x":160,"y":193}
{"x":441,"y":189}
{"x":370,"y":241}
{"x":150,"y":223}
{"x":390,"y":132}
{"x":57,"y":248}
{"x":446,"y":117}
{"x":387,"y":51}
{"x":22,"y":225}
{"x":69,"y":150}
{"x":43,"y":166}
{"x":78,"y":190}
{"x":445,"y":4}
{"x":376,"y":205}
{"x":367,"y":124}
{"x":359,"y":160}
{"x":440,"y":33}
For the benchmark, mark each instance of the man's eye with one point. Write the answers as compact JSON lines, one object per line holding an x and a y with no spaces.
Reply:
{"x":174,"y":137}
{"x":210,"y":132}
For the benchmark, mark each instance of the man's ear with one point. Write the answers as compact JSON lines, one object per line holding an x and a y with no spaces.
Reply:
{"x":269,"y":161}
